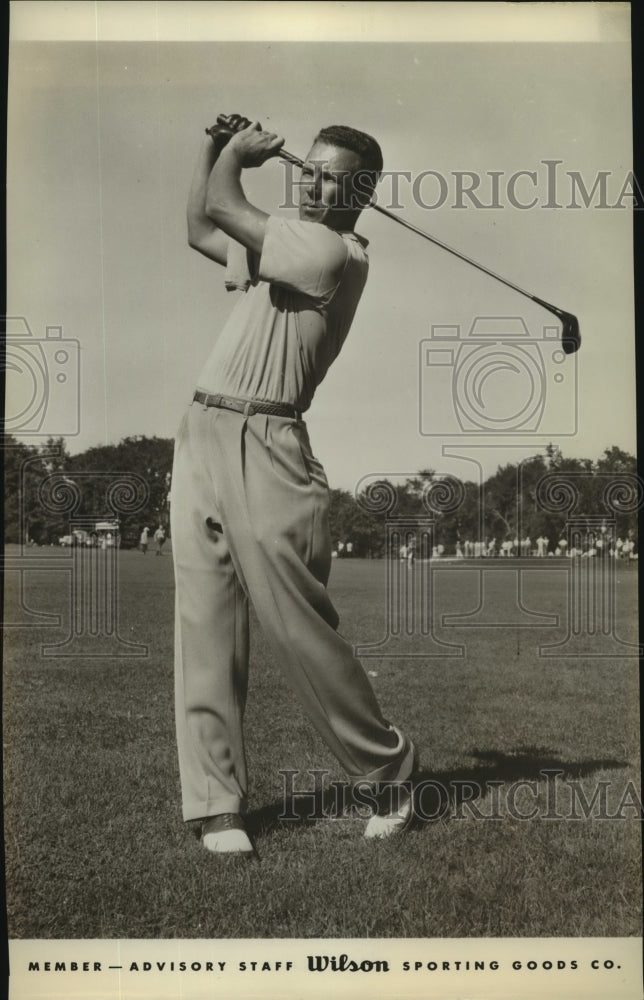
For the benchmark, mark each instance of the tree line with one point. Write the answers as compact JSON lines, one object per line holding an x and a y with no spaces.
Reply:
{"x":533,"y":498}
{"x":539,"y":497}
{"x":46,"y":488}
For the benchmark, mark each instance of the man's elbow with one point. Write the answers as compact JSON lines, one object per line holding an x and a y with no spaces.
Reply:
{"x":194,"y":241}
{"x":198,"y":232}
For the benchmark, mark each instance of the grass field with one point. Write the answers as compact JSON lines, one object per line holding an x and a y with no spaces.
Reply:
{"x":95,"y":844}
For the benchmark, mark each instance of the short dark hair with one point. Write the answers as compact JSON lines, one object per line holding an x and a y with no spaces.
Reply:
{"x":358,"y":142}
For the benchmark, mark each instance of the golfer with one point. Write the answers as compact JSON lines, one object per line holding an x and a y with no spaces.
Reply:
{"x":249,"y":499}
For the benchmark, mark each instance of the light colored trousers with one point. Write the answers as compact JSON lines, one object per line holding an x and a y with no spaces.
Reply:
{"x":249,"y":521}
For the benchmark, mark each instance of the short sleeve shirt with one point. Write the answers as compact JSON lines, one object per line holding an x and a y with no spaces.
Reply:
{"x":300,"y":298}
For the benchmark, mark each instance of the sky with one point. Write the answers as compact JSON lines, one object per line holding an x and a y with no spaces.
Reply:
{"x":107,"y":107}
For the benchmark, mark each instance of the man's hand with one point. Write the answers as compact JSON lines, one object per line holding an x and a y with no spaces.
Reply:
{"x":220,"y":136}
{"x":252,"y":146}
{"x":225,"y":128}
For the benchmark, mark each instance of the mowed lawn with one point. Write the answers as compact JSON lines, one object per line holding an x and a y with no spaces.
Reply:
{"x":96,"y":847}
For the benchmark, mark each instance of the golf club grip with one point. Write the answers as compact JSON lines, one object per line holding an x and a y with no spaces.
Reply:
{"x":283,"y":153}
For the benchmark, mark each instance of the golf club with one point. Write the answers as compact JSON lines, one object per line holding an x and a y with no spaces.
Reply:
{"x":570,"y":333}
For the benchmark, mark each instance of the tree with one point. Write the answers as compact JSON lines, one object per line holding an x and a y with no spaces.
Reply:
{"x":16,"y":459}
{"x":148,"y":458}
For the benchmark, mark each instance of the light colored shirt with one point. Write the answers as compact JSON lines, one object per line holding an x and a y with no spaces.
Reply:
{"x":300,"y":298}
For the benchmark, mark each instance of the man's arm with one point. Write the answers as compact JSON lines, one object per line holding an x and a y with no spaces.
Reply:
{"x":203,"y":234}
{"x":226,"y":204}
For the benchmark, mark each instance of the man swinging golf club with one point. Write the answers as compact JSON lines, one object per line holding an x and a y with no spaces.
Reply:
{"x":249,"y":499}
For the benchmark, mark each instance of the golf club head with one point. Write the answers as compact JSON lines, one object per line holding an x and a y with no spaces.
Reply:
{"x":570,"y":332}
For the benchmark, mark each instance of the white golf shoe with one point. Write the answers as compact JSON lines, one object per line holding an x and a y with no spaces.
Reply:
{"x":226,"y":834}
{"x":390,"y":824}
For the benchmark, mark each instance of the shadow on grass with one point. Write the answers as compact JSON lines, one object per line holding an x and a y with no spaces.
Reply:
{"x":452,"y":789}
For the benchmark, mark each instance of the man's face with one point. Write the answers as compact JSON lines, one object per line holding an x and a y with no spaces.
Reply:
{"x":326,"y":188}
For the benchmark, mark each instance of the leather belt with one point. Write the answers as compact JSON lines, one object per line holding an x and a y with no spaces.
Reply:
{"x":246,"y":406}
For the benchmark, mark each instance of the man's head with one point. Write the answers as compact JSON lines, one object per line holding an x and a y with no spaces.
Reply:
{"x":339,"y":176}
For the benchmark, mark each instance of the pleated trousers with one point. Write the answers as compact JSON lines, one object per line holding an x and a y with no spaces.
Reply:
{"x":249,"y":518}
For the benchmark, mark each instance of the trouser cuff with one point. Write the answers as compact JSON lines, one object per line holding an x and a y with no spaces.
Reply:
{"x":214,"y":807}
{"x":400,"y":769}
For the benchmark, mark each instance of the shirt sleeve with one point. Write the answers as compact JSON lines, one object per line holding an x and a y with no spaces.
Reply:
{"x":302,"y":257}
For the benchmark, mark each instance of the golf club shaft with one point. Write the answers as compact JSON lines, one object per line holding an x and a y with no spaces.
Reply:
{"x":291,"y":158}
{"x":298,"y":162}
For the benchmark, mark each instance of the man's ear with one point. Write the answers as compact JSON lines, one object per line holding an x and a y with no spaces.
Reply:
{"x":363,"y":185}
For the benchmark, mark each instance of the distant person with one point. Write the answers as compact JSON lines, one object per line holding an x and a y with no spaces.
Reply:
{"x":143,"y":540}
{"x":349,"y":550}
{"x":159,"y":539}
